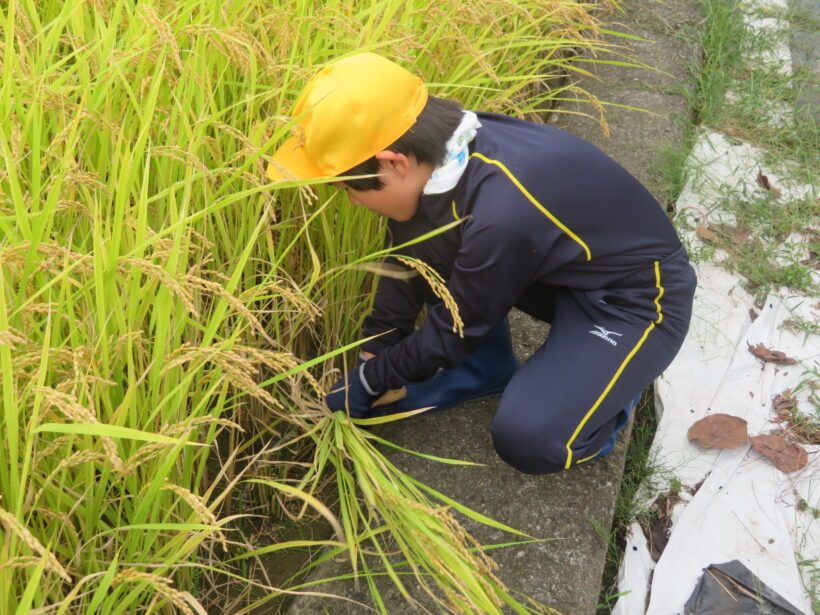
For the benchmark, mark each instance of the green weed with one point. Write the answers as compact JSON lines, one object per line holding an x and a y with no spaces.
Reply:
{"x":639,"y":468}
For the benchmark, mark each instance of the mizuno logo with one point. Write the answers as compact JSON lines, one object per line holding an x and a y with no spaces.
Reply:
{"x":604,"y":334}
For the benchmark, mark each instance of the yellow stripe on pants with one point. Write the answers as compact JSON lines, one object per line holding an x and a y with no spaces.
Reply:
{"x":621,"y":368}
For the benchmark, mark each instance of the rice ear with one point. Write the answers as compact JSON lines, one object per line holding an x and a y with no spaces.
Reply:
{"x":15,"y":527}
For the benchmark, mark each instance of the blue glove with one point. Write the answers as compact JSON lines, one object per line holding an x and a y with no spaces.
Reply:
{"x":351,"y":393}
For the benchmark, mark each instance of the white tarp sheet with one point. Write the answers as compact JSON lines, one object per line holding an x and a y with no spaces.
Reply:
{"x":745,"y":508}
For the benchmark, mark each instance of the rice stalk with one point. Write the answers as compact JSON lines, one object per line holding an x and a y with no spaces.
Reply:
{"x":439,"y":288}
{"x":199,"y":507}
{"x":151,"y":277}
{"x":20,"y":561}
{"x":68,"y":405}
{"x":161,"y":585}
{"x":14,"y":526}
{"x":76,"y":458}
{"x":13,"y":337}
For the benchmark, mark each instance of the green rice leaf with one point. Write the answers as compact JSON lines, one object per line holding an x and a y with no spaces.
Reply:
{"x":112,"y":431}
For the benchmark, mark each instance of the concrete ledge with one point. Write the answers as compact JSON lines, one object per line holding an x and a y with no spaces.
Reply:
{"x":566,"y":507}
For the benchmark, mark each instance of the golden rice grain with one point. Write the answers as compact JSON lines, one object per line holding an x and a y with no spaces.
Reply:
{"x":58,"y":443}
{"x":82,"y":208}
{"x":162,"y":586}
{"x":219,"y":290}
{"x":75,"y":459}
{"x":144,"y":453}
{"x":287,"y":290}
{"x":236,"y":369}
{"x":166,"y":279}
{"x":165,"y":33}
{"x":198,"y":422}
{"x":63,"y":518}
{"x":180,"y":155}
{"x":12,"y":337}
{"x":439,"y":288}
{"x":21,"y":561}
{"x":224,"y":128}
{"x":77,"y":177}
{"x":71,"y":408}
{"x":198,"y":505}
{"x":14,"y":526}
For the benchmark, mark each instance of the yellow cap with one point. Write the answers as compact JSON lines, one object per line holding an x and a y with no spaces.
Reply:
{"x":349,"y":111}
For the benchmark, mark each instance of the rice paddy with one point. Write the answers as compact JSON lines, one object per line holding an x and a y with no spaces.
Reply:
{"x":170,"y":320}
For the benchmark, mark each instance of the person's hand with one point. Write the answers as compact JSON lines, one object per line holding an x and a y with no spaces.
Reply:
{"x":351,"y":393}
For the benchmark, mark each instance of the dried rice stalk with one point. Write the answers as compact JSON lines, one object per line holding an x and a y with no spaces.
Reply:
{"x":166,"y":279}
{"x":165,"y":33}
{"x":198,"y":505}
{"x":145,"y":453}
{"x":180,"y":155}
{"x":71,"y":408}
{"x":238,"y":365}
{"x":82,"y":208}
{"x":218,"y":289}
{"x":21,"y":561}
{"x":12,"y":337}
{"x":300,"y":302}
{"x":161,"y":585}
{"x":439,"y":289}
{"x":15,"y":527}
{"x":75,"y":459}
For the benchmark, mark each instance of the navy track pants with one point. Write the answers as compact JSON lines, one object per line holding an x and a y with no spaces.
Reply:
{"x":604,"y":347}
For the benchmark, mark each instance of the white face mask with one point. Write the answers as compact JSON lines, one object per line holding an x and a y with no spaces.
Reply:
{"x":446,"y":176}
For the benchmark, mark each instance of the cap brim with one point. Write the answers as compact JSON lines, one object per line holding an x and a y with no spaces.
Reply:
{"x":290,"y":163}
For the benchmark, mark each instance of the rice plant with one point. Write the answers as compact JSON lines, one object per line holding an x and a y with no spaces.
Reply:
{"x":169,"y":320}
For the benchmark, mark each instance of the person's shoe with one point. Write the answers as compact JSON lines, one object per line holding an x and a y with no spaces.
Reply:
{"x":623,"y":419}
{"x":485,"y":372}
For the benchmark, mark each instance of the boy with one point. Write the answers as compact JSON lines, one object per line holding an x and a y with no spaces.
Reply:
{"x":550,"y":225}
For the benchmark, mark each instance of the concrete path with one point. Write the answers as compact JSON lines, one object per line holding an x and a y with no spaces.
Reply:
{"x":575,"y":506}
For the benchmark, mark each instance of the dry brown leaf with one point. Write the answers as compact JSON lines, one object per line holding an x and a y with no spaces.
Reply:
{"x":784,"y":403}
{"x":786,"y":456}
{"x":735,"y":234}
{"x":719,"y":431}
{"x":707,"y":234}
{"x":764,"y":181}
{"x":753,"y":314}
{"x":771,"y":356}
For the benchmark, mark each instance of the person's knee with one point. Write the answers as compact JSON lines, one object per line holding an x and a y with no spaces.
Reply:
{"x":526,"y":447}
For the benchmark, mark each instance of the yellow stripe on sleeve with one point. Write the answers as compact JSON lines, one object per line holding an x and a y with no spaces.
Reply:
{"x":535,"y":202}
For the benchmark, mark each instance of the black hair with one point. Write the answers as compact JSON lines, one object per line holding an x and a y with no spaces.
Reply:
{"x":426,"y":140}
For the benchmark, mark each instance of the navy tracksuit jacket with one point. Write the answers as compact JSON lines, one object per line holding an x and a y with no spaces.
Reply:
{"x":553,"y":226}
